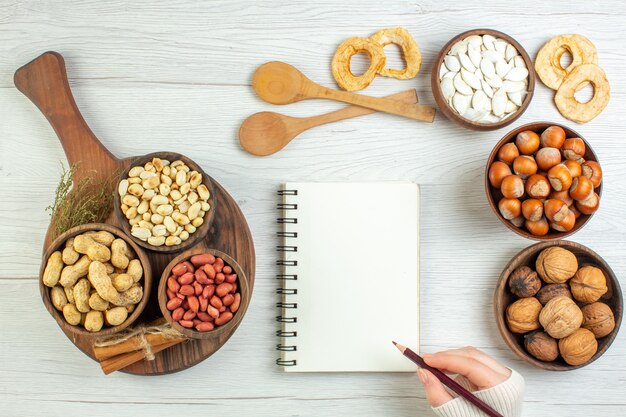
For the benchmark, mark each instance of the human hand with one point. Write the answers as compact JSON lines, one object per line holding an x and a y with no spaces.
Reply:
{"x":481,"y":370}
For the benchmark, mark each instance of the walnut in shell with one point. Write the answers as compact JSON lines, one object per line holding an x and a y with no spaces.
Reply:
{"x":524,"y":282}
{"x":589,"y":284}
{"x":598,"y":317}
{"x":556,"y":265}
{"x":541,"y":346}
{"x":551,"y":291}
{"x":523,"y":315}
{"x":560,"y":317}
{"x":578,"y":347}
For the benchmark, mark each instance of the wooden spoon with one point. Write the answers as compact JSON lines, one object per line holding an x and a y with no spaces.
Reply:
{"x":265,"y":133}
{"x":281,"y":83}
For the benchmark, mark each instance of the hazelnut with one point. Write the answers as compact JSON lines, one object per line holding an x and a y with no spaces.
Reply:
{"x":537,"y":186}
{"x":556,"y":265}
{"x":532,"y":209}
{"x":581,"y":188}
{"x":598,"y":317}
{"x":575,"y":210}
{"x":563,"y":196}
{"x":497,"y":171}
{"x":518,"y":221}
{"x":590,"y":205}
{"x":550,"y":291}
{"x":574,"y":149}
{"x":538,"y":228}
{"x":512,"y":186}
{"x":523,"y":315}
{"x":547,"y":158}
{"x":508,"y":152}
{"x":524,"y":166}
{"x":589,"y":284}
{"x":527,"y":142}
{"x":560,"y":317}
{"x":541,"y":346}
{"x":566,"y":224}
{"x":524,"y":282}
{"x":553,"y":137}
{"x":555,"y":210}
{"x":574,"y":167}
{"x":579,"y":347}
{"x":560,"y":178}
{"x":510,"y":208}
{"x":592,"y":170}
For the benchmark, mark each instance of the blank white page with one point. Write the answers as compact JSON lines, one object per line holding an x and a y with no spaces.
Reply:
{"x":358,"y":276}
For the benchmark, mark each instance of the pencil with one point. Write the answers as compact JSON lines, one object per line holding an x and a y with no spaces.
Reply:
{"x":447,"y":381}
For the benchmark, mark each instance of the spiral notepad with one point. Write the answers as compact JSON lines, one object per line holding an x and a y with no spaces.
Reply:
{"x":349,"y":276}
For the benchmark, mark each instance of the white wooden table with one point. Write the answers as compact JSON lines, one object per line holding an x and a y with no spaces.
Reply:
{"x":156,"y":76}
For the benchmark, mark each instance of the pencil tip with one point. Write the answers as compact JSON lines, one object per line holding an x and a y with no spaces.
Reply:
{"x":394,"y":342}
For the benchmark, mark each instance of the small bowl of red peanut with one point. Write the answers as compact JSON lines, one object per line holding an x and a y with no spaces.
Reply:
{"x":203,"y":293}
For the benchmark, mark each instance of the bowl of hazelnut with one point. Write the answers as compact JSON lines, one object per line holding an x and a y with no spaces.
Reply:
{"x":543,"y":181}
{"x":558,"y":305}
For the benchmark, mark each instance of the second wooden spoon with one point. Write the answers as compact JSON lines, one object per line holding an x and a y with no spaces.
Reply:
{"x":265,"y":133}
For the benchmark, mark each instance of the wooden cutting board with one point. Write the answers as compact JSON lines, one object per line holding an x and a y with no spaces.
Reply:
{"x":44,"y":82}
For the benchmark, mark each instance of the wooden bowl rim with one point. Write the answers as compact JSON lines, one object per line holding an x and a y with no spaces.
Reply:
{"x":200,"y":232}
{"x":509,"y":137}
{"x":59,"y":242}
{"x":456,"y":117}
{"x":242,"y":283}
{"x":501,"y":287}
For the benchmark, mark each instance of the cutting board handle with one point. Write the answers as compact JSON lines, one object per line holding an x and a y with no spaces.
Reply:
{"x":44,"y":82}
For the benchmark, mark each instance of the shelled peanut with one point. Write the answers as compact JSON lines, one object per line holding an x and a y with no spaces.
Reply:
{"x":164,"y":202}
{"x":202,"y":293}
{"x":95,"y":280}
{"x":545,"y":181}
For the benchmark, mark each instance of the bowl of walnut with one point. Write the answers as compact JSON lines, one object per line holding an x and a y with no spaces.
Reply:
{"x":558,"y":305}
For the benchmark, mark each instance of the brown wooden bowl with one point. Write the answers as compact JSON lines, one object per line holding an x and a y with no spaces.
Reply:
{"x":503,"y":297}
{"x":450,"y":113}
{"x":200,"y":231}
{"x":59,"y":244}
{"x":494,"y":195}
{"x":219,"y":334}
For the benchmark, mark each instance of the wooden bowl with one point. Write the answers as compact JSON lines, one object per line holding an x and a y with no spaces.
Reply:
{"x":450,"y":113}
{"x":59,"y":244}
{"x":219,"y":334}
{"x":193,"y":237}
{"x":494,"y":195}
{"x":527,"y":257}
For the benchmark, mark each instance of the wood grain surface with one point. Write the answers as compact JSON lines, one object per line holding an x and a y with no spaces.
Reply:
{"x":151,"y":76}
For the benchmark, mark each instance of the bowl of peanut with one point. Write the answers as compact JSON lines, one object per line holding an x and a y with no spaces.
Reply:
{"x":203,"y":293}
{"x":165,"y":202}
{"x":94,"y":280}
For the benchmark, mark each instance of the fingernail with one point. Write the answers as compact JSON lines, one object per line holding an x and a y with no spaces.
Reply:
{"x":423,"y":376}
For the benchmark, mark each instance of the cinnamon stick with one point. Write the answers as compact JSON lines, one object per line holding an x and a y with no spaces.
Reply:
{"x":133,"y":344}
{"x":118,"y":362}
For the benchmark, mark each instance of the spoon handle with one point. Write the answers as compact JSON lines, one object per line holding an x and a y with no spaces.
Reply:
{"x":408,"y":96}
{"x":412,"y":111}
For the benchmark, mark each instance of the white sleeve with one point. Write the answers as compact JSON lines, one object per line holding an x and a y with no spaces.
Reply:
{"x":506,"y":398}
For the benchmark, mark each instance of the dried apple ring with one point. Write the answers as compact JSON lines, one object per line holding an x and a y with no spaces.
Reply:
{"x":341,"y":63}
{"x":548,"y":62}
{"x":572,"y":108}
{"x":410,"y":51}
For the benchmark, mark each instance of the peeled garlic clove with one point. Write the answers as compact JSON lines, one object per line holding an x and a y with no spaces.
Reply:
{"x":510,"y":107}
{"x":478,"y":100}
{"x":492,"y":56}
{"x":466,"y":62}
{"x":510,"y":52}
{"x":452,"y":63}
{"x":447,"y":88}
{"x":461,"y":86}
{"x":487,"y":68}
{"x":494,"y":82}
{"x":516,"y":97}
{"x":474,"y":55}
{"x":498,"y":102}
{"x":516,"y":74}
{"x":513,"y":86}
{"x":502,"y":68}
{"x":488,"y":41}
{"x":461,"y":102}
{"x":470,"y":79}
{"x":518,"y":61}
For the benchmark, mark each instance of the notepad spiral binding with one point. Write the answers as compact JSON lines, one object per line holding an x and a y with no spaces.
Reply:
{"x":287,"y":263}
